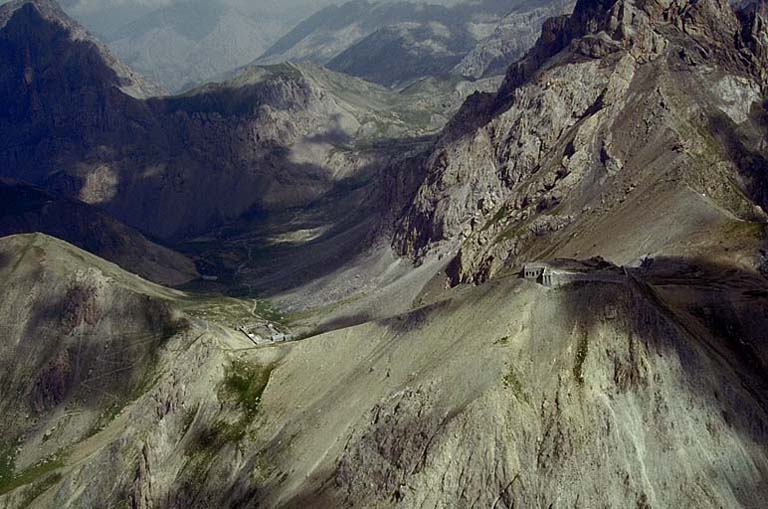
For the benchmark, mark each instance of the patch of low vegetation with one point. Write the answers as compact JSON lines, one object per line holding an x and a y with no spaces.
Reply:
{"x":9,"y":480}
{"x":497,"y":217}
{"x":218,"y":434}
{"x":746,"y":230}
{"x":512,"y":232}
{"x":39,"y":488}
{"x":243,"y":386}
{"x":229,"y":311}
{"x":245,"y":382}
{"x":513,"y":383}
{"x":7,"y":460}
{"x":582,"y":349}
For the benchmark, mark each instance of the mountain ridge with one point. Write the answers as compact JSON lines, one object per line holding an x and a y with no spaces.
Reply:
{"x":625,"y":156}
{"x":396,"y":43}
{"x":570,"y":169}
{"x":272,"y":141}
{"x":27,"y":209}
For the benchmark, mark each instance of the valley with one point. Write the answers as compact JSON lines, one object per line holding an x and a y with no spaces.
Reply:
{"x":535,"y":275}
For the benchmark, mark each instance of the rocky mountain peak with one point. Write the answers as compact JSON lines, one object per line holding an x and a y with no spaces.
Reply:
{"x":543,"y":156}
{"x":601,"y":27}
{"x":51,"y":12}
{"x":43,"y":24}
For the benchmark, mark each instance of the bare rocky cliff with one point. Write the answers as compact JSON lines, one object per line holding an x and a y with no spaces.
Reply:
{"x":621,"y":107}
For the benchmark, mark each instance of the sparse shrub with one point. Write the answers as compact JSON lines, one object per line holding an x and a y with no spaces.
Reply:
{"x":9,"y":480}
{"x":502,"y":341}
{"x":512,"y":382}
{"x":39,"y":488}
{"x":245,"y":382}
{"x":582,"y":350}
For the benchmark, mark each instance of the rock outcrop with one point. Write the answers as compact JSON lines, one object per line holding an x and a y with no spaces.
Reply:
{"x":611,"y":102}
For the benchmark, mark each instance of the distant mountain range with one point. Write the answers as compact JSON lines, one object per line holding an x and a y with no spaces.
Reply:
{"x":189,"y":42}
{"x":395,"y":43}
{"x":543,"y":289}
{"x":179,"y":44}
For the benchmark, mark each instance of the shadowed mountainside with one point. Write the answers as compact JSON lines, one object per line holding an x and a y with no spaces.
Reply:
{"x":27,"y":209}
{"x":269,"y":139}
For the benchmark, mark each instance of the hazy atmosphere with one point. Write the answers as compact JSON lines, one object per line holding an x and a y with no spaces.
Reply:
{"x":383,"y":254}
{"x":178,"y":44}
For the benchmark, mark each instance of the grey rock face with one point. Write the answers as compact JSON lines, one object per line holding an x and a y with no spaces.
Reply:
{"x":591,"y":114}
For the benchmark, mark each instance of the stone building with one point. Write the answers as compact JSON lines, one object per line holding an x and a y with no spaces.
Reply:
{"x":562,"y":274}
{"x":539,"y":272}
{"x":534,"y":271}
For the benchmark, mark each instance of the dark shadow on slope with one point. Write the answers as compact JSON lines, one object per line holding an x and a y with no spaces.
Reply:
{"x":78,"y":362}
{"x":82,"y":344}
{"x":265,"y":253}
{"x":750,"y":163}
{"x":54,"y":90}
{"x":711,"y":317}
{"x":5,"y":260}
{"x":29,"y":209}
{"x":196,"y":161}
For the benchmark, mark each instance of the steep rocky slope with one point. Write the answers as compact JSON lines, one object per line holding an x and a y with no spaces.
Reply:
{"x":119,"y":75}
{"x":630,"y":129}
{"x":648,"y":391}
{"x":82,"y":342}
{"x":27,"y":209}
{"x":269,"y":139}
